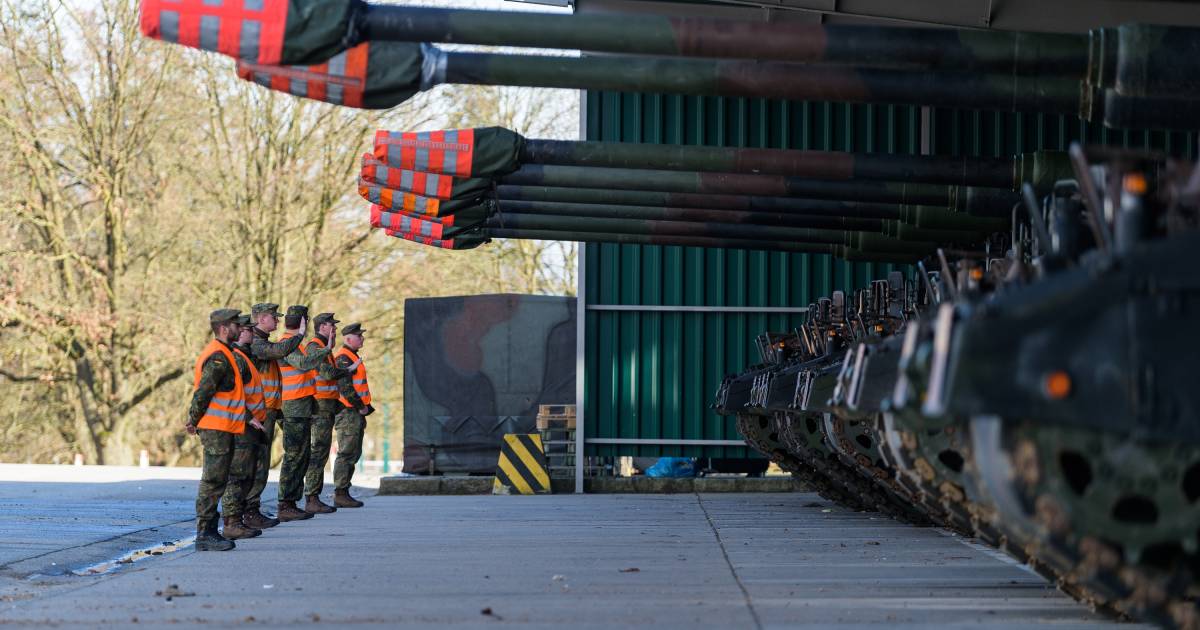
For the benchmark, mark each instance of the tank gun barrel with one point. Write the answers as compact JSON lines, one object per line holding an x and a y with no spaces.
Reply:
{"x":943,"y":49}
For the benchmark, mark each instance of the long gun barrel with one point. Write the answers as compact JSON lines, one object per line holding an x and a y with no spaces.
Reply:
{"x":943,"y":67}
{"x":942,"y":49}
{"x":549,"y":182}
{"x":768,"y":79}
{"x":494,"y":151}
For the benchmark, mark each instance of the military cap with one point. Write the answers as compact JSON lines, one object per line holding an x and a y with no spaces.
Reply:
{"x":224,"y":316}
{"x":324,"y":318}
{"x":353,"y":329}
{"x":297,"y":310}
{"x":266,"y":307}
{"x":243,"y":321}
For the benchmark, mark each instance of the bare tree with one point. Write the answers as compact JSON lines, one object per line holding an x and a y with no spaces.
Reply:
{"x":87,"y":191}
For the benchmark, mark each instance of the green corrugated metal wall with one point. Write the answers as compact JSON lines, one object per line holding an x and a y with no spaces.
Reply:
{"x":653,"y":375}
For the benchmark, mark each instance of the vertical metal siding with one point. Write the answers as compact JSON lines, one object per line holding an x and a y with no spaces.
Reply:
{"x":653,"y":375}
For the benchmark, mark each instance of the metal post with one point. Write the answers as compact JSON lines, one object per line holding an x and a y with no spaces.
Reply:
{"x":580,"y":327}
{"x":386,"y":426}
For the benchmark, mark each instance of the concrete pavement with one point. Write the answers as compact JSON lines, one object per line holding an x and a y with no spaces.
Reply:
{"x":728,"y":561}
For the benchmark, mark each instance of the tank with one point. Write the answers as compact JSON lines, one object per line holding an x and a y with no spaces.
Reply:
{"x":1037,"y":400}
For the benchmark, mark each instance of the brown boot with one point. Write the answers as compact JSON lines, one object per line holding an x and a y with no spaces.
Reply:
{"x":289,"y":512}
{"x":255,"y":519}
{"x":234,"y":530}
{"x":342,"y":498}
{"x":313,"y":505}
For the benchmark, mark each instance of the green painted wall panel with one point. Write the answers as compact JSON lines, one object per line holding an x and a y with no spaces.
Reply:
{"x":653,"y":375}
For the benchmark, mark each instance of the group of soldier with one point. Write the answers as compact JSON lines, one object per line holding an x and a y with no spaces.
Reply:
{"x":245,"y":386}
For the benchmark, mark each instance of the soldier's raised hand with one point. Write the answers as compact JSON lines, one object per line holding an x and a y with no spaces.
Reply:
{"x":190,"y":428}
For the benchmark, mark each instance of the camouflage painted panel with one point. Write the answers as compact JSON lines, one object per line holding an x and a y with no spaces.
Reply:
{"x":478,"y":359}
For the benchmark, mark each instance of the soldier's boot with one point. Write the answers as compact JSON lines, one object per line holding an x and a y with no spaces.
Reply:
{"x":235,"y":530}
{"x":210,"y":540}
{"x":342,"y":499}
{"x":289,"y":512}
{"x":255,"y":519}
{"x":313,"y":505}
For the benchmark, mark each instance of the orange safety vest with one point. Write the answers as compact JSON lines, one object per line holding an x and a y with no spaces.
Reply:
{"x":360,"y":378}
{"x":227,"y":410}
{"x":254,"y":391}
{"x":272,"y":383}
{"x":295,"y":383}
{"x":326,"y":390}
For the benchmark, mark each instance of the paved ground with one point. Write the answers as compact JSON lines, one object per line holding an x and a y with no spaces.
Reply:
{"x":728,"y":561}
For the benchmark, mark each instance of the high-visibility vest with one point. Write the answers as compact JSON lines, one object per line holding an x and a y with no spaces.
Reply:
{"x":227,"y":410}
{"x":361,"y":387}
{"x":296,"y":384}
{"x":254,"y":390}
{"x":272,"y":382}
{"x":326,"y":390}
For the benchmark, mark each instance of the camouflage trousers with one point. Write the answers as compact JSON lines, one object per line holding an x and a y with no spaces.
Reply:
{"x":295,"y":457}
{"x":263,"y":468}
{"x":322,"y":441}
{"x":242,"y":467}
{"x":214,"y":475}
{"x":350,"y":426}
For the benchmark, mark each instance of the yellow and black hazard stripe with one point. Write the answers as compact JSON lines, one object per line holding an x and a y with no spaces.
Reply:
{"x":522,"y":466}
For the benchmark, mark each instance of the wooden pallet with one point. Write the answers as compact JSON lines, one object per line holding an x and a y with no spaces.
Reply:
{"x":556,"y":410}
{"x":555,"y":422}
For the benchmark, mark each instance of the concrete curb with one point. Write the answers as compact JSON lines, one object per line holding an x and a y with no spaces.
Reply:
{"x":399,"y":486}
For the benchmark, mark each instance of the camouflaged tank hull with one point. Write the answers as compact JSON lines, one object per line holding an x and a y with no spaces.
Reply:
{"x":476,"y":368}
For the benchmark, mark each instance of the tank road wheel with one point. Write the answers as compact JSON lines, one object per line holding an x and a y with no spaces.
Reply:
{"x":803,"y":438}
{"x":858,"y":444}
{"x":930,"y":463}
{"x":759,"y":434}
{"x":1118,"y":517}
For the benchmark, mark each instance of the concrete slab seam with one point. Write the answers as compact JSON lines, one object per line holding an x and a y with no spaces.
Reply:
{"x":725,"y":554}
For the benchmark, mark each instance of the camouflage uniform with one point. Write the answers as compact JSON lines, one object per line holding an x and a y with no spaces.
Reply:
{"x":245,"y":455}
{"x":350,"y":422}
{"x":322,"y":423}
{"x":263,"y":352}
{"x":297,"y":415}
{"x":216,"y":375}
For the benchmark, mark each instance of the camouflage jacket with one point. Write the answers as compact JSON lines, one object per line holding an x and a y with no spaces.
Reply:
{"x":346,"y":383}
{"x":263,"y":352}
{"x":216,"y":375}
{"x":328,"y":371}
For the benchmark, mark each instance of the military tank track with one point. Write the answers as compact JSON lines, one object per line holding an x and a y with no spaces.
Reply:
{"x":805,"y":434}
{"x":938,"y":467}
{"x":761,"y":434}
{"x":933,"y":482}
{"x":1083,"y":491}
{"x":857,"y":445}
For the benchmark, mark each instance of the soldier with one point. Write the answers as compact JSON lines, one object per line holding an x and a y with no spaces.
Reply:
{"x":266,"y":357}
{"x":327,"y":405}
{"x":218,"y":413}
{"x":298,"y":379}
{"x":246,"y":445}
{"x":354,"y":393}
